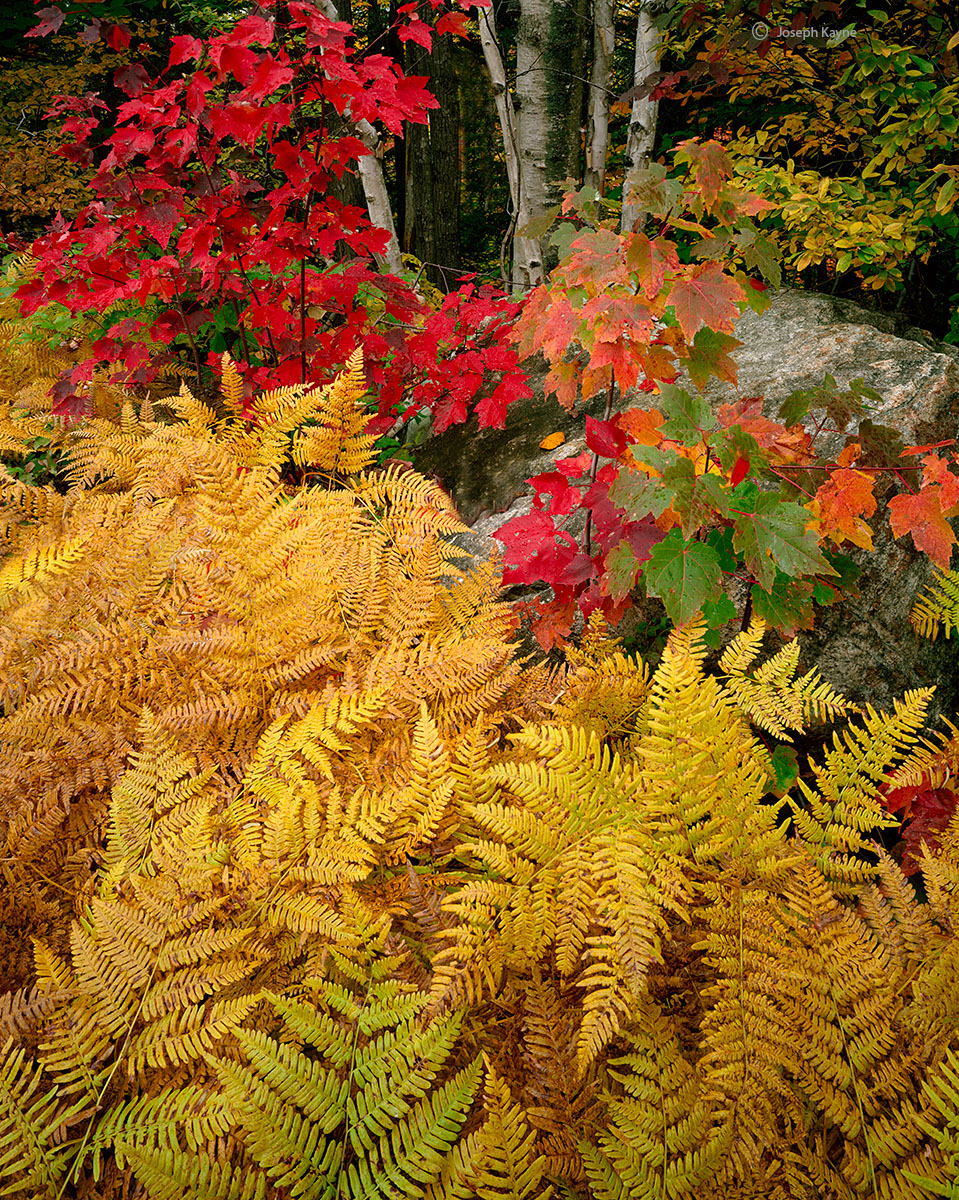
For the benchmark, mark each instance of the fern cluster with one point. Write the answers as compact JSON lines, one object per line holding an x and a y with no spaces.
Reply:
{"x":325,"y":895}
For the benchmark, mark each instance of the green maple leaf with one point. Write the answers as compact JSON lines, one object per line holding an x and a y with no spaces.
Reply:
{"x":688,"y":418}
{"x":730,"y":444}
{"x":773,"y":536}
{"x":697,"y":499}
{"x":760,"y":251}
{"x":684,"y":574}
{"x":787,"y":605}
{"x":620,"y":570}
{"x":639,"y":494}
{"x":709,"y":355}
{"x":718,"y":612}
{"x":721,"y":541}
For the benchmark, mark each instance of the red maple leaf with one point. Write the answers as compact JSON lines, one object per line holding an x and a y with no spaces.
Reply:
{"x":706,"y":296}
{"x":922,"y":516}
{"x":562,"y":498}
{"x":50,"y":21}
{"x":604,"y":438}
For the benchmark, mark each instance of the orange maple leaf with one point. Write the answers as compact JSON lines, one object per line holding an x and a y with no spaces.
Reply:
{"x":935,"y":470}
{"x":642,"y":425}
{"x":840,"y":504}
{"x":849,"y":455}
{"x":785,"y":446}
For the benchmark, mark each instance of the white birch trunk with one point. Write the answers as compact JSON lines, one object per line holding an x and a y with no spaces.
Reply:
{"x":598,"y":135}
{"x":377,"y":197}
{"x":642,"y":120}
{"x":504,"y":101}
{"x":532,"y":132}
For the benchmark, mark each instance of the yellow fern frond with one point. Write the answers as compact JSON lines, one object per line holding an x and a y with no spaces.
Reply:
{"x":28,"y":573}
{"x":770,"y":696}
{"x":844,"y":809}
{"x":231,"y":385}
{"x":507,"y":1167}
{"x":938,"y":607}
{"x":665,"y":1136}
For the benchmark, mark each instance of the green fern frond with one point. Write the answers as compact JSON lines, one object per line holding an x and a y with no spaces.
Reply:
{"x":373,"y":1119}
{"x":943,"y":1092}
{"x":160,"y":1123}
{"x":938,"y":608}
{"x":179,"y":1175}
{"x":33,"y":1157}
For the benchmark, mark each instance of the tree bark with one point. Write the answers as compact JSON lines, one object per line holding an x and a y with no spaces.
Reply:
{"x":642,"y":119}
{"x":598,"y":128}
{"x":505,"y":109}
{"x":432,"y":208}
{"x":566,"y":89}
{"x":532,"y":136}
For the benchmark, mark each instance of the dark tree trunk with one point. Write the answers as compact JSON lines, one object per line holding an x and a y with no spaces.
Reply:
{"x":431,"y":229}
{"x":566,"y":81}
{"x":447,"y":167}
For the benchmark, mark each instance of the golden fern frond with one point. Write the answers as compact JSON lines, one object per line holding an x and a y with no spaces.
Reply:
{"x":22,"y":1010}
{"x":748,"y":1047}
{"x":770,"y":696}
{"x":938,"y":607}
{"x":231,"y":386}
{"x":932,"y":766}
{"x":199,"y":418}
{"x":566,"y":850}
{"x":745,"y":647}
{"x":666,"y":1136}
{"x":158,"y":779}
{"x":507,"y":1166}
{"x":338,"y":444}
{"x":843,"y":1000}
{"x":890,"y":909}
{"x":836,"y":818}
{"x":609,"y":696}
{"x":29,"y":504}
{"x":694,"y":730}
{"x":26,"y":574}
{"x":426,"y":795}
